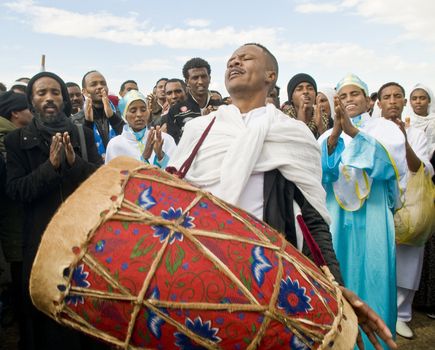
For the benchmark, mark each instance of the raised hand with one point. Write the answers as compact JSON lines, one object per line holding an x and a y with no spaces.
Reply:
{"x":108,"y":111}
{"x":158,"y":143}
{"x":149,"y":146}
{"x":336,"y":129}
{"x":346,"y":123}
{"x":150,"y":101}
{"x":303,"y":110}
{"x":370,"y":322}
{"x":70,"y":155}
{"x":88,"y":110}
{"x":318,"y":112}
{"x":56,"y":150}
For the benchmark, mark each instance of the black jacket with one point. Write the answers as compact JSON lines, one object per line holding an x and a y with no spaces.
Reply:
{"x":179,"y":114}
{"x":279,"y":194}
{"x":32,"y":179}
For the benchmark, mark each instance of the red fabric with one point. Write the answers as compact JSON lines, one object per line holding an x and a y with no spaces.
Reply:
{"x":126,"y":250}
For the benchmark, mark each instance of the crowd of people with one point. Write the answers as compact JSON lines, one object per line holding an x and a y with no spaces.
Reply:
{"x":340,"y":157}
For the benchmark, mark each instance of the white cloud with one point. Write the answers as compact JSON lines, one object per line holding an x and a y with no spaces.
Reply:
{"x":130,"y":30}
{"x":328,"y":62}
{"x":201,"y":23}
{"x":414,"y":17}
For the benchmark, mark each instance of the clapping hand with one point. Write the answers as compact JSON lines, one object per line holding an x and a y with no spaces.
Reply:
{"x":158,"y":143}
{"x":303,"y":110}
{"x":149,"y":146}
{"x":55,"y":150}
{"x":318,"y":112}
{"x":61,"y":142}
{"x":88,"y":110}
{"x":341,"y":114}
{"x":69,"y":150}
{"x":108,"y":111}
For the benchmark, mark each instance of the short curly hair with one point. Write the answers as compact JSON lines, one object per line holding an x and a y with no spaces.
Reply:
{"x":195,"y":62}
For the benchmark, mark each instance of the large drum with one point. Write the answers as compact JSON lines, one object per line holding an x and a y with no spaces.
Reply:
{"x":143,"y":260}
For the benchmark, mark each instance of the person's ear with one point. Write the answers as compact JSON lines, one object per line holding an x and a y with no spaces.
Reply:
{"x":406,"y":101}
{"x":14,"y":115}
{"x":270,"y":76}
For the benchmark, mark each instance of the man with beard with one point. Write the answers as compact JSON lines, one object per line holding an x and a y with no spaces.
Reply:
{"x":75,"y":96}
{"x":98,"y":114}
{"x":44,"y":166}
{"x":196,"y":73}
{"x":256,"y":158}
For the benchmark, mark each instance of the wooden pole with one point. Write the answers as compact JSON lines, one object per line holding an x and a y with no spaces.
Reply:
{"x":43,"y":63}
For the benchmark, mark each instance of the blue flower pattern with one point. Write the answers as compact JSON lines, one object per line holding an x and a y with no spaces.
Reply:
{"x":292,"y":298}
{"x":79,"y":276}
{"x":154,"y":322}
{"x":260,"y":265}
{"x":162,"y":232}
{"x":297,"y":344}
{"x":203,"y":329}
{"x":146,"y":200}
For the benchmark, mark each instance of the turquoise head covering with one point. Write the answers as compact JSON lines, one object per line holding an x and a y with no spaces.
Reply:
{"x":129,"y":97}
{"x":352,"y":79}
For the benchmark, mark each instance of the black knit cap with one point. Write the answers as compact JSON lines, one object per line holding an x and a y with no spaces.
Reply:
{"x":12,"y":102}
{"x":67,"y":108}
{"x":296,"y":80}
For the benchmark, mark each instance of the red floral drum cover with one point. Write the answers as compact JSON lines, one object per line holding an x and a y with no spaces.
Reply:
{"x":143,"y":260}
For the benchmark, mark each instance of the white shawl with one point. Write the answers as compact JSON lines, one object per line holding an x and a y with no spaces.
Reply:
{"x":233,"y":151}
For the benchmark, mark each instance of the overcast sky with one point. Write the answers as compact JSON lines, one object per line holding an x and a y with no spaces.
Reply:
{"x":379,"y":40}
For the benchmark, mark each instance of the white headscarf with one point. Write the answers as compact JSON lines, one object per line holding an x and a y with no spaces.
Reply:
{"x":427,"y":124}
{"x":329,"y":93}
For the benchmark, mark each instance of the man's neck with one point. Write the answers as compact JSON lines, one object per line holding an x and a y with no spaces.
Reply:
{"x":200,"y":100}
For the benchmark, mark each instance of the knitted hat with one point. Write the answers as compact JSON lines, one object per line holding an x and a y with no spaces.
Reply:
{"x":296,"y":80}
{"x":67,"y":108}
{"x":10,"y":102}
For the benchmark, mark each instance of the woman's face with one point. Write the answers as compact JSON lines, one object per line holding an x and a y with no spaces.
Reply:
{"x":420,"y":102}
{"x":137,"y":115}
{"x":324,"y":104}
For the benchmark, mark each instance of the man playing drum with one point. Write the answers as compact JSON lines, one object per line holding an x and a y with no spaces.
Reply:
{"x":254,"y":146}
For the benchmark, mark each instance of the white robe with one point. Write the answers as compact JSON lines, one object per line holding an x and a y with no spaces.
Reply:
{"x":409,"y":259}
{"x":127,"y":145}
{"x":233,"y":151}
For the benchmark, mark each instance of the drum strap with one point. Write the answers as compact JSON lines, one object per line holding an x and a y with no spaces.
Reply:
{"x":318,"y":258}
{"x":181,"y":173}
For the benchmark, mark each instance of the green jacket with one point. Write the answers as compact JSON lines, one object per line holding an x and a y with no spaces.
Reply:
{"x":6,"y":126}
